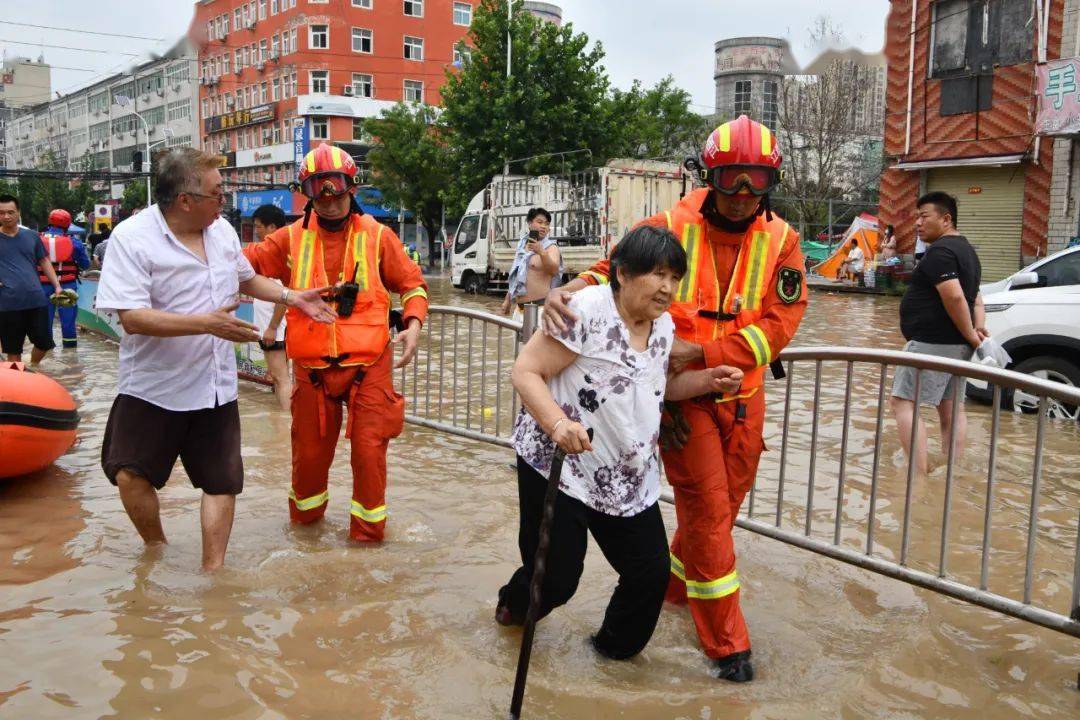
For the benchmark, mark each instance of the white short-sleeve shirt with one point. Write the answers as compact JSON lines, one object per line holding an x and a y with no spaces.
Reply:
{"x":149,"y":268}
{"x":619,"y":393}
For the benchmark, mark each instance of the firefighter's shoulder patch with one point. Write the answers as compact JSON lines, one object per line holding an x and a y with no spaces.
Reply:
{"x":789,"y":284}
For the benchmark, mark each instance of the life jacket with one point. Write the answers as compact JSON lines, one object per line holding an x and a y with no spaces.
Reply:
{"x":359,"y":339}
{"x":60,"y":250}
{"x":700,"y":314}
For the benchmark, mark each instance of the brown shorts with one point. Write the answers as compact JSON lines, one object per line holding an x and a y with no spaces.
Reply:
{"x":146,"y":439}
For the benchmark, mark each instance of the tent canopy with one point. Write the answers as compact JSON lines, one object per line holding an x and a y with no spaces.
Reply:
{"x":864,"y":230}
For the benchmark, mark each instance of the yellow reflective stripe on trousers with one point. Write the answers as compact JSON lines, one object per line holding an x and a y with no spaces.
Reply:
{"x":372,"y":516}
{"x":713,"y":589}
{"x":415,"y":292}
{"x":691,"y":242}
{"x":302,"y":277}
{"x":758,"y":343}
{"x":754,"y":279}
{"x":309,"y":503}
{"x":677,"y":568}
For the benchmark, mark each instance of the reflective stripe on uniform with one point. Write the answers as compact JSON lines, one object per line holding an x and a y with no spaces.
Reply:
{"x":359,"y":246}
{"x":766,"y":141}
{"x":600,"y":279}
{"x":335,"y":154}
{"x":705,"y":589}
{"x":311,"y":162}
{"x":309,"y":503}
{"x":758,"y":343}
{"x":725,"y":137}
{"x":416,"y":293}
{"x":372,"y":516}
{"x":754,"y":274}
{"x":691,"y":242}
{"x":302,"y":277}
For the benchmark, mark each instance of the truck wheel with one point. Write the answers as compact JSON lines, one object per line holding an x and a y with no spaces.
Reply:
{"x":1053,"y":368}
{"x":473,"y":284}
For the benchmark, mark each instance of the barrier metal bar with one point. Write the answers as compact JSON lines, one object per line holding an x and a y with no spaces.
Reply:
{"x":784,"y":444}
{"x":995,"y":418}
{"x":442,"y":358}
{"x":455,"y":395}
{"x":915,"y":417}
{"x":1033,"y":513}
{"x":1075,"y":614}
{"x":427,"y":371}
{"x":468,"y":378}
{"x":498,"y":390}
{"x":877,"y":460}
{"x":483,"y":376}
{"x":843,"y":453}
{"x":813,"y":448}
{"x":958,"y":384}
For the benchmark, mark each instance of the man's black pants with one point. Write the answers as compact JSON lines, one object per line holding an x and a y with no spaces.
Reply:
{"x":636,"y":547}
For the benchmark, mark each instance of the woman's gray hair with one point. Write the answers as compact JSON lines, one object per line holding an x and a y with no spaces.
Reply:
{"x":180,"y":171}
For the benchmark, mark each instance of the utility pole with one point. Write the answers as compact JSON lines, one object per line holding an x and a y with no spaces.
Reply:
{"x":509,"y":47}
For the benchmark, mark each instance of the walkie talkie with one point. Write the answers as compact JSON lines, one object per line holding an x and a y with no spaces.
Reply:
{"x":346,"y":295}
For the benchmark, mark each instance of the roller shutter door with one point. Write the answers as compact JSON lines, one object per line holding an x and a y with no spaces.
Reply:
{"x":993,"y":218}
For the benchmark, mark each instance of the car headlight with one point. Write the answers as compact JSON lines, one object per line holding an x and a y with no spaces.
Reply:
{"x":998,"y":308}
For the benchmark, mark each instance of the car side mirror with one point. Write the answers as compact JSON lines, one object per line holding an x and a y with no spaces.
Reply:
{"x":1024,"y":280}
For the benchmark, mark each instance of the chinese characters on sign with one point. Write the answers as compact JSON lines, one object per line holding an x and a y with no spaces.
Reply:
{"x":239,"y":118}
{"x":1059,"y":97}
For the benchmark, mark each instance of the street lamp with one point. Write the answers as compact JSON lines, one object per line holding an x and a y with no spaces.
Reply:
{"x":124,"y":101}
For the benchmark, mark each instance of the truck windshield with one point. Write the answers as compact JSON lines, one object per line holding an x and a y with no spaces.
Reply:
{"x":466,"y":233}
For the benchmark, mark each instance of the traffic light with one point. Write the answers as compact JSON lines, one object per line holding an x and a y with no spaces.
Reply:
{"x":136,"y":161}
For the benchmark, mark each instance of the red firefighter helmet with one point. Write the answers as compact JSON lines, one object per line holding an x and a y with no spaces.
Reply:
{"x":60,"y":218}
{"x":741,"y":155}
{"x":327,"y":170}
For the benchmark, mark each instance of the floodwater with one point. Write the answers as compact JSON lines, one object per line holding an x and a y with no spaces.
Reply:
{"x":303,"y":624}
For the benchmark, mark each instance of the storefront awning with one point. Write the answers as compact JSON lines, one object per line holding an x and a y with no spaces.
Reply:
{"x":990,"y":161}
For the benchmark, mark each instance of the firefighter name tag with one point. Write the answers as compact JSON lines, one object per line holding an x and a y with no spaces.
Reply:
{"x":789,"y":285}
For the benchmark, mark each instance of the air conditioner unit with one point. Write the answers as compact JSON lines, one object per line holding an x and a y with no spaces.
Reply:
{"x":347,"y":90}
{"x":250,"y":24}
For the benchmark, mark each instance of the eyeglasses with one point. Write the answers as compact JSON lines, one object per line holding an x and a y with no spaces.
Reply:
{"x":219,"y":196}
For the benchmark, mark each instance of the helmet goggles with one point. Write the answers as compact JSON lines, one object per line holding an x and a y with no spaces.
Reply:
{"x":733,"y":179}
{"x":333,"y":184}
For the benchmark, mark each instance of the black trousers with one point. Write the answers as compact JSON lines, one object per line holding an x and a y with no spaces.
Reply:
{"x":636,"y":547}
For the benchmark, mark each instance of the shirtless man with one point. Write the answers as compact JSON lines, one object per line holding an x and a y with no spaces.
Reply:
{"x":537,"y":265}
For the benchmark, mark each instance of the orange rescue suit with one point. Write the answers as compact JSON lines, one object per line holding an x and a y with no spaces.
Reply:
{"x":345,"y":362}
{"x":742,"y":300}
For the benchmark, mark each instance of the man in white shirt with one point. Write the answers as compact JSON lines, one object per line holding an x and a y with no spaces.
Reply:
{"x":173,"y":277}
{"x":852,"y":267}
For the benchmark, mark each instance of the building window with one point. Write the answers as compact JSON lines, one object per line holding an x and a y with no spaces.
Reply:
{"x":319,"y":37}
{"x":362,"y":4}
{"x":974,"y":37}
{"x":742,"y":97}
{"x":462,"y":14}
{"x":950,"y":29}
{"x":262,"y":9}
{"x":274,"y":7}
{"x":414,"y":48}
{"x":363,"y":40}
{"x":414,"y":91}
{"x":769,"y":106}
{"x":320,"y":81}
{"x":461,"y":54}
{"x":414,"y":8}
{"x":275,"y":89}
{"x":320,"y":129}
{"x":358,"y":133}
{"x":362,"y":85}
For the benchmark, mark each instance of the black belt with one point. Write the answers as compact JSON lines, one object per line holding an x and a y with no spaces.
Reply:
{"x":709,"y":314}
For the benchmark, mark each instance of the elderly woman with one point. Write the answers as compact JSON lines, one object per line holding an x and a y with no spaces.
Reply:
{"x":607,"y":372}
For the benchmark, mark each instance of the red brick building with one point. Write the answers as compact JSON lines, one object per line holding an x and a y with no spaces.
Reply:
{"x":960,"y":117}
{"x":266,"y":65}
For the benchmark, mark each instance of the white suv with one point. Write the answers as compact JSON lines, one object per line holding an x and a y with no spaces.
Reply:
{"x":1035,"y":315}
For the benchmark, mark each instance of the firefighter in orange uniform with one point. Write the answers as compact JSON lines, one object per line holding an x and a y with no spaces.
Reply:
{"x":349,"y":361}
{"x":740,"y":303}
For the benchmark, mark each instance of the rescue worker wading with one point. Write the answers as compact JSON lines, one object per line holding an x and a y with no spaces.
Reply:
{"x":740,"y":303}
{"x":349,"y":361}
{"x":68,"y":256}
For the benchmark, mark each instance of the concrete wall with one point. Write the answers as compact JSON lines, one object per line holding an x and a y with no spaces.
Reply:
{"x":1064,"y":218}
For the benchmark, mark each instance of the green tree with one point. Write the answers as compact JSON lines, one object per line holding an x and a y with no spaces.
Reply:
{"x":411,"y":164}
{"x":38,"y":196}
{"x":656,"y":122}
{"x":554,"y":100}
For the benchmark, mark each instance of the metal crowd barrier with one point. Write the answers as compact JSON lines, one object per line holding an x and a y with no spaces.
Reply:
{"x":901,"y":526}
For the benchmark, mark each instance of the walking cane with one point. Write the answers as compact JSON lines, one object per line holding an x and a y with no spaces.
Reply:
{"x":539,"y":567}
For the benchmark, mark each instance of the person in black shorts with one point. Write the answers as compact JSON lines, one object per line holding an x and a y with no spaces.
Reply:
{"x":24,"y":311}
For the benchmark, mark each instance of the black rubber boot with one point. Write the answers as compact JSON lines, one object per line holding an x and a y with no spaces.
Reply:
{"x":503,"y":616}
{"x":735,"y":667}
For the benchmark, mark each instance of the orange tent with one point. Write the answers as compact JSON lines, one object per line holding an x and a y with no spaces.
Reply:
{"x":864,"y":232}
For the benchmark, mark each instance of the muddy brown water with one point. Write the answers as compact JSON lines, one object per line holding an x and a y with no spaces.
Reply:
{"x":303,"y":624}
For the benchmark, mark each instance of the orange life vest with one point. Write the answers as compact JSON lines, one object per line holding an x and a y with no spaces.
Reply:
{"x":700,"y":314}
{"x":61,"y":253}
{"x":359,"y":339}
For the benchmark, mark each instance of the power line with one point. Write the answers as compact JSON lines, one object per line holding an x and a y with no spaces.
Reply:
{"x":69,"y":47}
{"x":81,"y":31}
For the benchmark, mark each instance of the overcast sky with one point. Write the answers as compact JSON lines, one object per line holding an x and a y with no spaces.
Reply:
{"x":643,"y":39}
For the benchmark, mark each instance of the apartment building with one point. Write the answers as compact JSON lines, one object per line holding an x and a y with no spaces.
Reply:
{"x":278,"y":76}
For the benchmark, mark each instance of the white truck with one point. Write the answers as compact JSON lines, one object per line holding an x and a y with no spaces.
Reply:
{"x":590,"y":211}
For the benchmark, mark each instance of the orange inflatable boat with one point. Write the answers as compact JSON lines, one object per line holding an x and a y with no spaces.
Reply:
{"x":37,"y":421}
